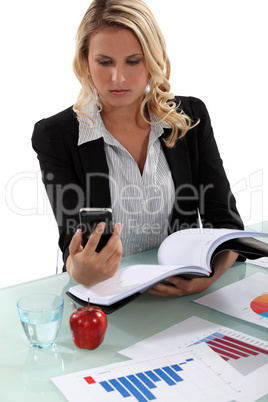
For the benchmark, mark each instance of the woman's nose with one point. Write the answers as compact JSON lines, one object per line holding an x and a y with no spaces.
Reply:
{"x":118,"y":74}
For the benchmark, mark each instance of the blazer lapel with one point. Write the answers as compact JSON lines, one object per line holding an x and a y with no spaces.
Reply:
{"x":96,"y":172}
{"x":178,"y":160}
{"x":185,"y":203}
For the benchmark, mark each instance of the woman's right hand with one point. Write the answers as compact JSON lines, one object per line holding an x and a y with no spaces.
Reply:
{"x":88,"y":267}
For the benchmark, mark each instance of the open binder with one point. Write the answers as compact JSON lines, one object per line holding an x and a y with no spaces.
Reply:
{"x":190,"y":253}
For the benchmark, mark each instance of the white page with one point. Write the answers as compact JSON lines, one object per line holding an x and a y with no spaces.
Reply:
{"x":195,"y":330}
{"x":197,"y":245}
{"x":126,"y":281}
{"x":236,"y":299}
{"x":204,"y":377}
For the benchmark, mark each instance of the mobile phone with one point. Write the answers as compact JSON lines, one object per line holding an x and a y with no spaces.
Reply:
{"x":89,"y":219}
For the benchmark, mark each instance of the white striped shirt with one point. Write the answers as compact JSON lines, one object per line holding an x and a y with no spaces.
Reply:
{"x":141,"y":202}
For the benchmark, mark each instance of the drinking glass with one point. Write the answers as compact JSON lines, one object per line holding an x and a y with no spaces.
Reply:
{"x":41,"y":316}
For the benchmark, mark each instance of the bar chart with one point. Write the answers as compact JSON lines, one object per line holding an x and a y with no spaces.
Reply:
{"x":140,"y":385}
{"x":241,"y":351}
{"x":198,"y":374}
{"x":243,"y":356}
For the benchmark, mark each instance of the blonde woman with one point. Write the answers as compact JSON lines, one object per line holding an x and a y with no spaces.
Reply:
{"x":129,"y":144}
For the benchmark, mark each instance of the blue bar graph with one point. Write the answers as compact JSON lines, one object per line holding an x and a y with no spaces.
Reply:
{"x":106,"y":386}
{"x":119,"y":388}
{"x":173,"y":375}
{"x":210,"y":338}
{"x":134,"y":391}
{"x":146,"y":380}
{"x":140,"y":385}
{"x":165,"y":377}
{"x":152,"y":375}
{"x":176,"y":367}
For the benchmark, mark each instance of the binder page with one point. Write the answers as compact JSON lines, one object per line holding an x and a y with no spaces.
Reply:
{"x":128,"y":280}
{"x":196,"y":246}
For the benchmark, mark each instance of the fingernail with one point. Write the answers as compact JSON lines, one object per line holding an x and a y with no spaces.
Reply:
{"x":118,"y":226}
{"x":100,"y":226}
{"x":77,"y":233}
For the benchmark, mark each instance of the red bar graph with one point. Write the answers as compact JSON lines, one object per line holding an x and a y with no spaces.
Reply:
{"x":248,"y":345}
{"x":230,"y":348}
{"x":89,"y":380}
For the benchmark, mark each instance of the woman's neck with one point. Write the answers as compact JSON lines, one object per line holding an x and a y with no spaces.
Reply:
{"x":124,"y":119}
{"x":129,"y":128}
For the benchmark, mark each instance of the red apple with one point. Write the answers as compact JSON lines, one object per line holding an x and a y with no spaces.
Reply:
{"x":88,"y":326}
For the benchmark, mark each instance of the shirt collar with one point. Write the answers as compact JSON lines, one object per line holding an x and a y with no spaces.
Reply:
{"x":90,"y":131}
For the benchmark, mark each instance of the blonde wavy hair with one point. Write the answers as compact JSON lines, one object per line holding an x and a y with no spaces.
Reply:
{"x":137,"y":17}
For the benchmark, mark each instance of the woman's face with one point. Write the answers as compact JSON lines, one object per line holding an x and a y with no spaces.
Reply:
{"x":117,"y":67}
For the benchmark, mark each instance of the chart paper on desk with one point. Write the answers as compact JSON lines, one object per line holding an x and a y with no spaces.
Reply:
{"x":197,"y":374}
{"x":243,"y":352}
{"x":261,"y":262}
{"x":246,"y":299}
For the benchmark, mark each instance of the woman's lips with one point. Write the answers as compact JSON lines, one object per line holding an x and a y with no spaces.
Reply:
{"x":119,"y":92}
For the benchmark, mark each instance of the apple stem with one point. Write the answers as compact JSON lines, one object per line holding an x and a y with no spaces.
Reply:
{"x":88,"y":302}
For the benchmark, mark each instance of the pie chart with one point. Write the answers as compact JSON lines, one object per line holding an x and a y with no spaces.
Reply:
{"x":260,"y":305}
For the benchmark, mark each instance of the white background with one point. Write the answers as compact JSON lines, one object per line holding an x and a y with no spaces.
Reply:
{"x":218,"y":51}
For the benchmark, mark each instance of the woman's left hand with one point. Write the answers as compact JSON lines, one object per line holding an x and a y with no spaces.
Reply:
{"x":183,"y":286}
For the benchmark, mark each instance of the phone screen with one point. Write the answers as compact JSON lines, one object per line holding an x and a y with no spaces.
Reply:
{"x":89,"y":219}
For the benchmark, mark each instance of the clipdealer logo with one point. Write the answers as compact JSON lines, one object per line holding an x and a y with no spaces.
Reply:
{"x":249,"y":193}
{"x":25,"y":195}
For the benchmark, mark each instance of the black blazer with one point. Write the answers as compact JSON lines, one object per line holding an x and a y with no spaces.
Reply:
{"x":77,"y":176}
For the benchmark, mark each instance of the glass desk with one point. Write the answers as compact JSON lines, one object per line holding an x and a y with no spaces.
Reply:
{"x":25,"y":372}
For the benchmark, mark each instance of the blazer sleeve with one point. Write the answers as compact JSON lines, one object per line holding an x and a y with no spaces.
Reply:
{"x":217,"y":204}
{"x":53,"y":140}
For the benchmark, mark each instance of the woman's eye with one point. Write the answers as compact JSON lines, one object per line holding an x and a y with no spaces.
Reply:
{"x":109,"y":62}
{"x":104,"y":62}
{"x":133,"y":62}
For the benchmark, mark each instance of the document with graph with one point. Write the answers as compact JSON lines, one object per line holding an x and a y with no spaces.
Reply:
{"x":195,"y":374}
{"x":243,"y":352}
{"x":246,"y":299}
